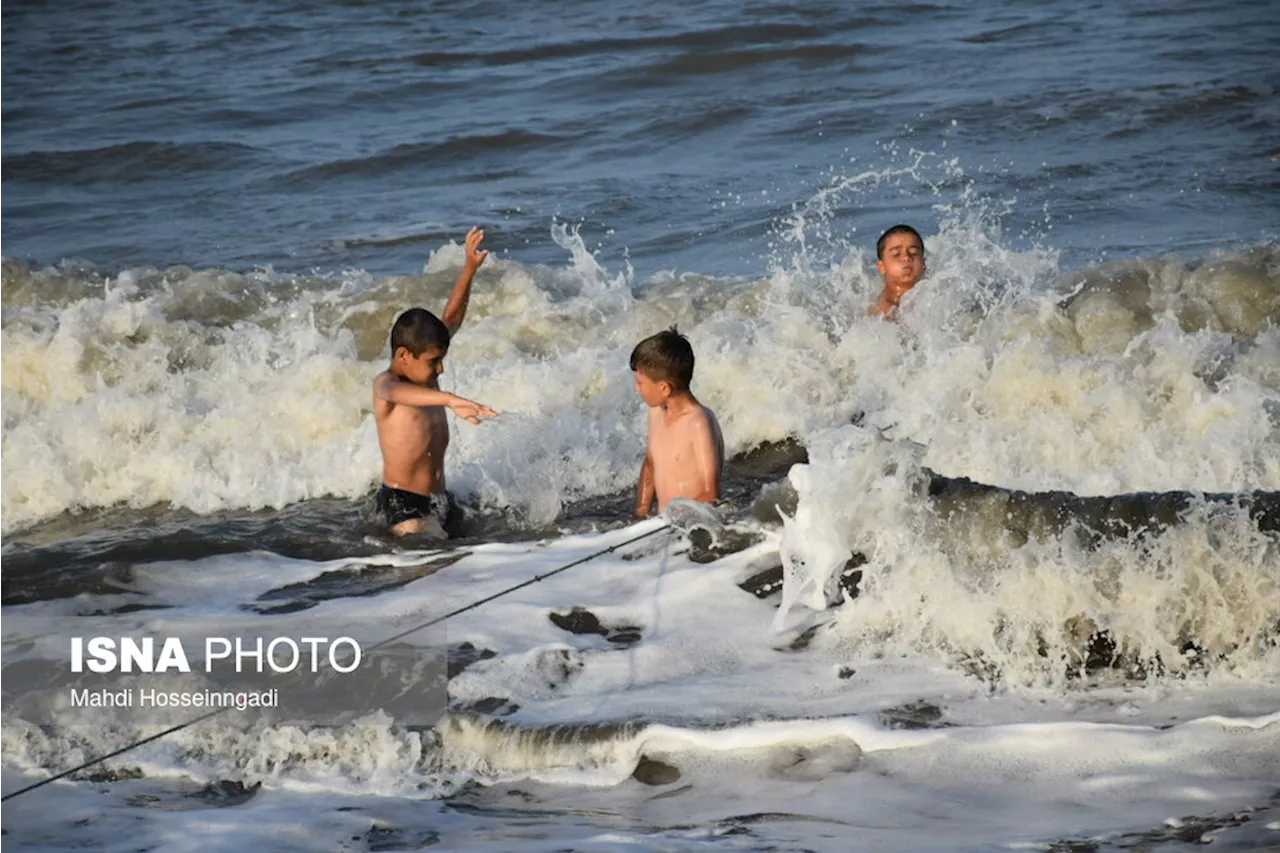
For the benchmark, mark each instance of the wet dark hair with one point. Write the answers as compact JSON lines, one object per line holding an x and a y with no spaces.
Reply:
{"x":418,"y":330}
{"x":665,"y":357}
{"x":897,"y":229}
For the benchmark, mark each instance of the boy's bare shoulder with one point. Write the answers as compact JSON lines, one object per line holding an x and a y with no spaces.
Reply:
{"x":701,"y":421}
{"x":704,"y":414}
{"x":384,"y":385}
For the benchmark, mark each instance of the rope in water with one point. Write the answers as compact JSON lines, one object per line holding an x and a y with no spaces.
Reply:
{"x":379,"y":644}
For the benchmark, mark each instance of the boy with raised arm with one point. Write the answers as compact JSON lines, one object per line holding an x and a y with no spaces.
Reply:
{"x":409,"y":409}
{"x":685,"y":452}
{"x":900,"y":260}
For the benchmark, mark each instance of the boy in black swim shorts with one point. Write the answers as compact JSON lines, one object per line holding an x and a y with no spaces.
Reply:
{"x":409,"y":409}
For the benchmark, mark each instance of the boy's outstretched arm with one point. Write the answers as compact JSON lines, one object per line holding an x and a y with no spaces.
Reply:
{"x":646,"y":491}
{"x":457,"y":307}
{"x":398,"y":391}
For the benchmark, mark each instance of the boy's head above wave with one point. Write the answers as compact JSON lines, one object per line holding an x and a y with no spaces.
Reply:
{"x":662,"y":359}
{"x":419,"y":343}
{"x":900,"y":261}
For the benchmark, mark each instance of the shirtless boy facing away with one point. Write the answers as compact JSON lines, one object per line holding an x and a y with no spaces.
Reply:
{"x":686,"y":451}
{"x":409,"y":408}
{"x":900,"y":260}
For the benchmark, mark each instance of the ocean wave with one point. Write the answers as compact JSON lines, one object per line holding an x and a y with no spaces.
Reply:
{"x":154,"y":386}
{"x":438,"y":153}
{"x":130,"y":162}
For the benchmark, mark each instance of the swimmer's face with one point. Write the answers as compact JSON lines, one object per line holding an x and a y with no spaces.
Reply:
{"x":422,"y":369}
{"x":902,"y":264}
{"x":654,"y":393}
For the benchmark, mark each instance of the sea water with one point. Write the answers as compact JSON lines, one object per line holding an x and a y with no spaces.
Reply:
{"x":1026,"y":537}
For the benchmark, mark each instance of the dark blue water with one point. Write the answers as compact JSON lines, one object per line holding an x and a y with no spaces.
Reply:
{"x":361,"y":134}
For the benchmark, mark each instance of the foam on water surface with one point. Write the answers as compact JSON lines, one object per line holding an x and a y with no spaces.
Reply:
{"x":962,"y":679}
{"x":720,"y":716}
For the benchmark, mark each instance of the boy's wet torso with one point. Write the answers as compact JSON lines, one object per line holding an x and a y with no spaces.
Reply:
{"x":414,"y":438}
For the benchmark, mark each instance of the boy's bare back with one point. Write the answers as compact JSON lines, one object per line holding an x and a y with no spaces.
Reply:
{"x":687,"y":450}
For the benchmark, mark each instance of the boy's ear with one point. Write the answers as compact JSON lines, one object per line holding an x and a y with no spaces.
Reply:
{"x":667,"y":388}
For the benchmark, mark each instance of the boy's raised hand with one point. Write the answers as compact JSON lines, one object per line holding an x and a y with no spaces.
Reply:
{"x":471,"y":411}
{"x":475,"y":256}
{"x":456,"y":309}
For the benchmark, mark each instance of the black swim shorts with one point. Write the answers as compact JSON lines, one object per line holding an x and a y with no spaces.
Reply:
{"x":397,"y":505}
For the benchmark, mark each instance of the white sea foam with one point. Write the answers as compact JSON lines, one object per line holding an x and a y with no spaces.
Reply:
{"x":215,"y":391}
{"x":154,"y":391}
{"x":708,"y":691}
